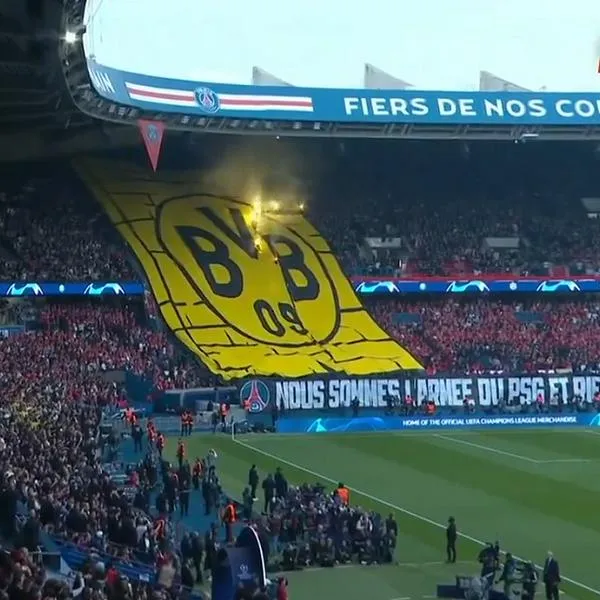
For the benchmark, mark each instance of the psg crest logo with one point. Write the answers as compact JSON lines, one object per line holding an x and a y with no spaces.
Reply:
{"x":257,"y":394}
{"x":207,"y":100}
{"x":152,"y":133}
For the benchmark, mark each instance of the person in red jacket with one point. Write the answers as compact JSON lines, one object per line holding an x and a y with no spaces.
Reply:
{"x":282,"y":589}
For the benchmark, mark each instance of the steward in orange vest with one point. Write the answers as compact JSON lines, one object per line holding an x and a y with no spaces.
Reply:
{"x":189,"y":422}
{"x":344,"y":493}
{"x":229,"y":518}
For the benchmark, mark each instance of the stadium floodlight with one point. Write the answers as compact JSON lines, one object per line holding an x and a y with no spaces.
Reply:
{"x":73,"y":35}
{"x":70,"y":37}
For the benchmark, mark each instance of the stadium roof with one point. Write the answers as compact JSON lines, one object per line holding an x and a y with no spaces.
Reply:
{"x":262,"y":77}
{"x":37,"y":114}
{"x":488,"y":82}
{"x":375,"y":78}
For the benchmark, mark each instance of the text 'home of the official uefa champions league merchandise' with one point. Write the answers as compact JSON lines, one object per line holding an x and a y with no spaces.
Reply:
{"x":305,"y":424}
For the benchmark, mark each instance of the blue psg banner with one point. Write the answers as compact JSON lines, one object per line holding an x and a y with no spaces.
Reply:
{"x":202,"y":99}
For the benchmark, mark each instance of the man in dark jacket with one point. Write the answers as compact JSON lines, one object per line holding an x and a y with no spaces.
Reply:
{"x":253,"y":480}
{"x":281,"y":484}
{"x":268,"y":487}
{"x":197,"y":555}
{"x":451,"y":535}
{"x":31,"y":532}
{"x":551,"y":577}
{"x":8,"y":508}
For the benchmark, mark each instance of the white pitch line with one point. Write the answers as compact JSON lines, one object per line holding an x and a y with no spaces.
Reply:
{"x":512,"y":454}
{"x":412,"y":433}
{"x":486,"y":448}
{"x":566,"y":460}
{"x":431,"y":597}
{"x":405,"y":511}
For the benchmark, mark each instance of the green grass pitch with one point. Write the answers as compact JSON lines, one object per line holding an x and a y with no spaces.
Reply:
{"x":534,"y":490}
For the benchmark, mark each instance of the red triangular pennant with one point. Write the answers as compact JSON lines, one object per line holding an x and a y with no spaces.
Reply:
{"x":152,"y":134}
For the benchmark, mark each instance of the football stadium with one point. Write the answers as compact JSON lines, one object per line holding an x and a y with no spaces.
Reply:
{"x":265,"y":341}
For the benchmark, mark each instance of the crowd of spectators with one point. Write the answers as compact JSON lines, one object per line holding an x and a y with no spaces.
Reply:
{"x":439,"y":201}
{"x":55,"y":389}
{"x":439,"y":205}
{"x":306,"y":525}
{"x":115,"y":337}
{"x":51,"y":230}
{"x":23,"y":576}
{"x":471,"y":335}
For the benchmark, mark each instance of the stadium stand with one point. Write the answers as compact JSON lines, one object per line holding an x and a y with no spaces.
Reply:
{"x":441,"y":222}
{"x":53,"y":375}
{"x":443,"y":202}
{"x":495,"y":334}
{"x":67,"y":236}
{"x":50,"y":232}
{"x":57,"y":388}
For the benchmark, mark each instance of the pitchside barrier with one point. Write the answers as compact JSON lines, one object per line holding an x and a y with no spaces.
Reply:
{"x":301,"y":424}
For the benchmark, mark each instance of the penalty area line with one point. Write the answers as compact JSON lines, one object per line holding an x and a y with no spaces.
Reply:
{"x":400,"y":509}
{"x":528,"y":459}
{"x":486,"y":448}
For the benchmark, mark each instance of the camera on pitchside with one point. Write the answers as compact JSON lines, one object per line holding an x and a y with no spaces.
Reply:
{"x":511,"y":573}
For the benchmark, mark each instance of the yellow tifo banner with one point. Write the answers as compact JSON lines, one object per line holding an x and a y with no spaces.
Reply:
{"x":287,"y":310}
